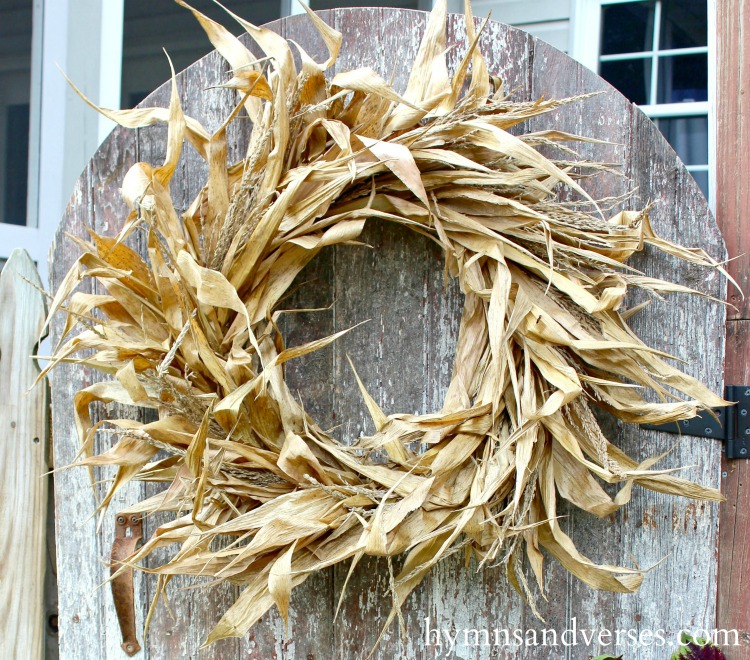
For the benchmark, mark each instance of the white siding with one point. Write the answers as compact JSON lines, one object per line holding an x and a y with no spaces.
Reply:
{"x":549,"y":20}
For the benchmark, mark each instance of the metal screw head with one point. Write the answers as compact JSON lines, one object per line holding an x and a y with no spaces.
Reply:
{"x":121,"y":519}
{"x":724,"y":473}
{"x":747,"y":431}
{"x":53,"y":624}
{"x":747,"y":392}
{"x":743,"y":412}
{"x":708,"y":431}
{"x":743,"y":451}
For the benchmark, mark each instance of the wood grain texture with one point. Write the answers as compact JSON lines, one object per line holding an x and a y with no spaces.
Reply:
{"x":653,"y":526}
{"x":733,"y":143}
{"x":734,"y":527}
{"x":181,"y":636}
{"x":404,"y":355}
{"x":23,"y":463}
{"x":87,"y":621}
{"x":732,"y":210}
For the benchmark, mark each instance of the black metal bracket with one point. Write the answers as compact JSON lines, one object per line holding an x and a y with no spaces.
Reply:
{"x":732,"y":427}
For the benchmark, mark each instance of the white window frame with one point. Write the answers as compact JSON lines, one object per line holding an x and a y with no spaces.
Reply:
{"x":27,"y":236}
{"x":293,"y":7}
{"x":585,"y":45}
{"x":56,"y":150}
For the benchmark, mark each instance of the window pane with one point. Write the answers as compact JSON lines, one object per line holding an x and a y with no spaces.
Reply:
{"x":150,"y":25}
{"x":688,"y":137}
{"x":16,"y":163}
{"x":631,"y":77}
{"x":15,"y":83}
{"x":684,"y":24}
{"x":627,"y":27}
{"x":701,"y":178}
{"x":683,"y":78}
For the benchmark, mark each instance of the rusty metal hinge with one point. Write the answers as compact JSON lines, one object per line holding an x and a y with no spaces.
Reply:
{"x":731,"y":426}
{"x":128,"y":533}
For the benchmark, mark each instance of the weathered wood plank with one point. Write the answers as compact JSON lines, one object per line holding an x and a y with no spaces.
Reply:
{"x":389,"y":351}
{"x":78,"y":599}
{"x":606,"y":117}
{"x":460,"y":598}
{"x":87,"y":622}
{"x":653,"y":526}
{"x":681,"y":591}
{"x":81,"y":606}
{"x":311,"y":625}
{"x":392,"y":350}
{"x":176,"y":636}
{"x":23,"y":463}
{"x":107,"y":213}
{"x":732,"y":210}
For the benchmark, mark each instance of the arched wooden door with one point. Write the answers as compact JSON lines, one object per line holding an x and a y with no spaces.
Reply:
{"x":405,"y":355}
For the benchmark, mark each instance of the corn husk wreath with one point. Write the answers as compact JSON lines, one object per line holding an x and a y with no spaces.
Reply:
{"x":192,"y":333}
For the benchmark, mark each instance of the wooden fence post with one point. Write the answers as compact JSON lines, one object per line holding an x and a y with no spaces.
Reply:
{"x":23,"y":463}
{"x":732,"y":208}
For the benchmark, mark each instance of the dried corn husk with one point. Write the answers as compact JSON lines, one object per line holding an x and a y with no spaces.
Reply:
{"x":191,"y":332}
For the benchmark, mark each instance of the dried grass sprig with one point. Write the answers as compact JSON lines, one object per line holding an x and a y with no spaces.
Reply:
{"x":191,"y":332}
